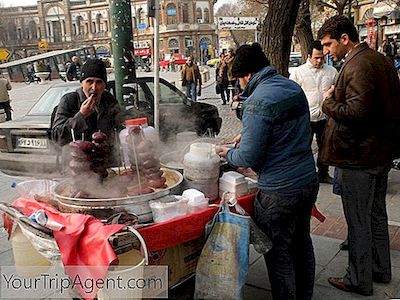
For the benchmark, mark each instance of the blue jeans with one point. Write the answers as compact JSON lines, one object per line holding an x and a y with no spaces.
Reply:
{"x":363,"y":194}
{"x":284,"y":216}
{"x":191,"y":91}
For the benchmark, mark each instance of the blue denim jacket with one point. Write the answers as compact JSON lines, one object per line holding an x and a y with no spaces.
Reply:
{"x":276,"y":136}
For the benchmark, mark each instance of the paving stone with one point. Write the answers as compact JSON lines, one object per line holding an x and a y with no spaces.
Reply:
{"x":325,"y":249}
{"x":258,"y":275}
{"x":252,"y":293}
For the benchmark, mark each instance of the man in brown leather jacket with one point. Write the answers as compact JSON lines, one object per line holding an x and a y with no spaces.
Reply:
{"x":362,"y":108}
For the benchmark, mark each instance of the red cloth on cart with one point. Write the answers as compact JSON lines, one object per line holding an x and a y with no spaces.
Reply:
{"x":186,"y":228}
{"x":82,"y":242}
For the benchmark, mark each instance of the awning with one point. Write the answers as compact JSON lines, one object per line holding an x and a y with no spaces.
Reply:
{"x":390,"y":11}
{"x":34,"y":58}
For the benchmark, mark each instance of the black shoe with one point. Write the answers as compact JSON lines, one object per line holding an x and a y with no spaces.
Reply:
{"x":344,"y":246}
{"x":326,"y":179}
{"x":224,"y":103}
{"x":340,"y":284}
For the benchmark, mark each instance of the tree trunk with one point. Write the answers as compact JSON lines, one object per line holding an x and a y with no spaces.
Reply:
{"x":277,"y":31}
{"x":303,"y":28}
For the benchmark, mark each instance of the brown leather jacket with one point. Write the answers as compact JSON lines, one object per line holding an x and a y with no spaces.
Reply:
{"x":363,"y":113}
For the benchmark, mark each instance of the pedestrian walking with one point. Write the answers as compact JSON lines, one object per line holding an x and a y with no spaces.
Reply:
{"x":191,"y":79}
{"x":226,"y":68}
{"x":276,"y":143}
{"x":5,"y":86}
{"x":222,"y":80}
{"x":74,"y":69}
{"x":363,"y":108}
{"x":315,"y":77}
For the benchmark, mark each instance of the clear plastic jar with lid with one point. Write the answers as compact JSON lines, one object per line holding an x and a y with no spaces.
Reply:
{"x":148,"y":132}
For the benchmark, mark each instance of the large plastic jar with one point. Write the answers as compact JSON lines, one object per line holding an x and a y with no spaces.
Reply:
{"x":201,"y":169}
{"x":148,"y":132}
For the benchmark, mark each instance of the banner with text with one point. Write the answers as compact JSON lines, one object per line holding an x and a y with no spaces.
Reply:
{"x":237,"y":23}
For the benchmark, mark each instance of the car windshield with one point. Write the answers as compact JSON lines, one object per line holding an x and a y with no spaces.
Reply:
{"x":167,"y":94}
{"x":50,"y":99}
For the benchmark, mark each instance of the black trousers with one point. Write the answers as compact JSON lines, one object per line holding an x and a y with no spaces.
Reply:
{"x":318,"y":129}
{"x":7,"y":109}
{"x":364,"y":205}
{"x":285,"y":218}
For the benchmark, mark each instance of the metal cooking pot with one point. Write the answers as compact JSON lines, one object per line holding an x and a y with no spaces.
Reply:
{"x":104,"y":208}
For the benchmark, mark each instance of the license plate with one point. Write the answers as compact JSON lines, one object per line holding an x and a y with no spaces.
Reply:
{"x":32,"y":143}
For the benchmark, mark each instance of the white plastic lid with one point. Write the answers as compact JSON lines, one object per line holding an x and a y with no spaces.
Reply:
{"x":194,"y":195}
{"x":233,"y":177}
{"x":202,"y":148}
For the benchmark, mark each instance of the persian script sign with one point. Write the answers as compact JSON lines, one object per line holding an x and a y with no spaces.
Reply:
{"x":237,"y":23}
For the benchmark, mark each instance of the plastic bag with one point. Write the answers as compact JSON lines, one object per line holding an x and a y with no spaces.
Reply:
{"x":224,"y":261}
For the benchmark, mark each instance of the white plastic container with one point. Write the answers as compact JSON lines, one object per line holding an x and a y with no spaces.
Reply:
{"x":252,"y":185}
{"x":196,"y":200}
{"x":168,"y":208}
{"x":234,"y":183}
{"x":148,"y":132}
{"x":201,"y":169}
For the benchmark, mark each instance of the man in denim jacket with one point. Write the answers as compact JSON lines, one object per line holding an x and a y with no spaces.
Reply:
{"x":276,"y":143}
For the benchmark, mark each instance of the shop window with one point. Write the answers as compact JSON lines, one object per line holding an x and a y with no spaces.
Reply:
{"x":171,"y":14}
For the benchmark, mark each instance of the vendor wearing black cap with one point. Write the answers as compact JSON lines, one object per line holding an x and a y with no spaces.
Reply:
{"x":89,"y":109}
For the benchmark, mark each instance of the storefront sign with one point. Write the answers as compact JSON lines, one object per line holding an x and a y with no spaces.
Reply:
{"x":143,"y":52}
{"x":392,"y":29}
{"x":237,"y":23}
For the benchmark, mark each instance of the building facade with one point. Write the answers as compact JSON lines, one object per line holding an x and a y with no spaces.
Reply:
{"x":377,"y":21}
{"x":186,"y":27}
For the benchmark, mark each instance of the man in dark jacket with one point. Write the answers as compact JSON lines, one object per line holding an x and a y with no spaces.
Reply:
{"x":276,"y":143}
{"x":362,"y":110}
{"x":89,"y":109}
{"x":74,"y":69}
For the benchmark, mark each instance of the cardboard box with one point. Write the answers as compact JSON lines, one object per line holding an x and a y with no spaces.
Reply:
{"x":181,"y":259}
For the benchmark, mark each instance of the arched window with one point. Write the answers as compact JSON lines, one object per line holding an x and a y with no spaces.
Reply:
{"x":185,"y":13}
{"x":206,"y":15}
{"x":139,"y":16}
{"x":79,"y":25}
{"x":99,"y":24}
{"x":199,"y":14}
{"x":173,"y":46}
{"x":32,"y":30}
{"x":171,"y":13}
{"x":3,"y":34}
{"x":12,"y":31}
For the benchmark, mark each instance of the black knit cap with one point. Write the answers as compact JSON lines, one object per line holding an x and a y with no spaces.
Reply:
{"x":249,"y":59}
{"x":94,"y":68}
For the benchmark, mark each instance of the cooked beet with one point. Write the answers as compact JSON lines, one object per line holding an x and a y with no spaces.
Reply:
{"x":99,"y":137}
{"x":157,"y":183}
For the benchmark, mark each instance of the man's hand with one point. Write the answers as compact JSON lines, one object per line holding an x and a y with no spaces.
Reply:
{"x":329,"y":93}
{"x":88,"y":106}
{"x":221,"y":150}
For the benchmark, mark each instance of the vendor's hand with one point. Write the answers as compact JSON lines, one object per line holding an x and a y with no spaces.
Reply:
{"x":88,"y":106}
{"x":236,"y":98}
{"x":237,"y":139}
{"x":221,"y":151}
{"x":329,"y":93}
